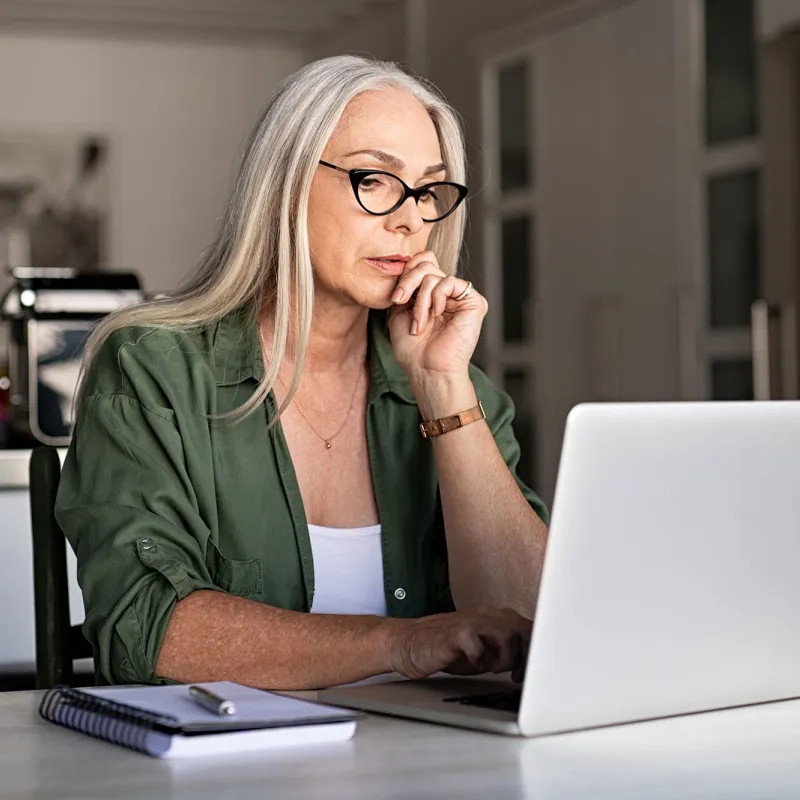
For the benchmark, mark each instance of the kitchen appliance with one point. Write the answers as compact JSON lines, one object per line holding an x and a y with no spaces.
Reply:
{"x":47,"y":314}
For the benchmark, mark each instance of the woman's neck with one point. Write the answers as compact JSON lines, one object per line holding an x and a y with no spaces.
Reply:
{"x":337,"y":340}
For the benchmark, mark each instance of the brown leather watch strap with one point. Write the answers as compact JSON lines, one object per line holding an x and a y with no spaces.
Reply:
{"x":436,"y":427}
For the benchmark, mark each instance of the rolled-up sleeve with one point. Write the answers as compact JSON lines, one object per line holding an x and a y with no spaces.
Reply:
{"x":128,"y":508}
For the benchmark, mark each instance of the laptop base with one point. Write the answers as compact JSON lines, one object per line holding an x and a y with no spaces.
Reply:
{"x":436,"y":699}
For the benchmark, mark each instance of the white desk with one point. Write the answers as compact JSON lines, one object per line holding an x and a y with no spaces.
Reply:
{"x":743,"y":753}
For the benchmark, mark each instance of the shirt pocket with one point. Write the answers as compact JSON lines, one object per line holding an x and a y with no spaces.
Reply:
{"x":237,"y":577}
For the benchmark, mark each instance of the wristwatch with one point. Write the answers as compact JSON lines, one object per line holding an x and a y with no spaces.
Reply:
{"x":436,"y":427}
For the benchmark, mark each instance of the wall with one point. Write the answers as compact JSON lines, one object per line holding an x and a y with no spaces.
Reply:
{"x":612,"y":158}
{"x":777,"y":15}
{"x":176,"y":114}
{"x":380,"y":33}
{"x":454,"y":65}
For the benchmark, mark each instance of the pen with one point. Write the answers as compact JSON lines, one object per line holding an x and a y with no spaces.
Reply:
{"x":213,"y":702}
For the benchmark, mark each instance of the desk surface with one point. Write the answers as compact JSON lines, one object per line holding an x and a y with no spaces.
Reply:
{"x":743,"y":753}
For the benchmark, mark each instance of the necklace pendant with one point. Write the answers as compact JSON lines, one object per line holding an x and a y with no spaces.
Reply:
{"x":328,"y":444}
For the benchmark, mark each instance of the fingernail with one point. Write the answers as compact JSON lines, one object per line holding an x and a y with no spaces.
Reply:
{"x":414,"y":328}
{"x":397,"y":296}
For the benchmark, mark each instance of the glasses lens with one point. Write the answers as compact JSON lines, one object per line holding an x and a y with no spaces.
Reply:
{"x":379,"y":193}
{"x":438,"y":201}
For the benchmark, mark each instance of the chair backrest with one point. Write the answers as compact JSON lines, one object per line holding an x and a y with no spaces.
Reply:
{"x":58,"y":642}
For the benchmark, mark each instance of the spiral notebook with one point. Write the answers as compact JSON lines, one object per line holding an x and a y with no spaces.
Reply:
{"x":164,"y":721}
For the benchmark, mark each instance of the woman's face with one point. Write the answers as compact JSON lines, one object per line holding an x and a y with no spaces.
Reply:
{"x":386,"y":130}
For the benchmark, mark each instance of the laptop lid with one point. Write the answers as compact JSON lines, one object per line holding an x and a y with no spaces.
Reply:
{"x":671,"y":582}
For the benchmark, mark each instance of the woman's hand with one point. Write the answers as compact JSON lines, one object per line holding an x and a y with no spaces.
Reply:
{"x":462,"y":643}
{"x":432,"y":333}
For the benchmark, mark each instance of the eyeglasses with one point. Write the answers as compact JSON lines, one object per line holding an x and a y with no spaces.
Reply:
{"x":380,"y":193}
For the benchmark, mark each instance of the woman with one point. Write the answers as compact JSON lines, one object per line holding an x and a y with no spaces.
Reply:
{"x":249,"y":450}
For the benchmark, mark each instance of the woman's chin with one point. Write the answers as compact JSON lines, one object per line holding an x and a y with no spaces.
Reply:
{"x":378,"y":298}
{"x":375,"y":295}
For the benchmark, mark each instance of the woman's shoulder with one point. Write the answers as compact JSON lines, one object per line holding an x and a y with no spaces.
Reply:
{"x":135,"y":356}
{"x":148,"y":341}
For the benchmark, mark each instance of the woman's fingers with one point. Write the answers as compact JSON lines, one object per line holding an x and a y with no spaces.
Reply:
{"x":424,"y":256}
{"x":433,"y":296}
{"x":409,"y":282}
{"x":432,"y":287}
{"x":465,"y":643}
{"x":505,"y":649}
{"x":471,"y":646}
{"x":447,"y":287}
{"x":423,"y":302}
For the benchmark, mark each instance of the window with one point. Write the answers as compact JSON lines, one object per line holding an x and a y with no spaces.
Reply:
{"x":729,"y":178}
{"x":515,"y":162}
{"x":731,"y":83}
{"x":732,"y":380}
{"x":508,"y":351}
{"x":733,"y":247}
{"x":515,"y":245}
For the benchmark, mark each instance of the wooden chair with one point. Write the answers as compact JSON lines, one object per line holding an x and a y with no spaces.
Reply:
{"x":58,"y":642}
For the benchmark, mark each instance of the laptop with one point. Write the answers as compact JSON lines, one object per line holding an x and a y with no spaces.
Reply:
{"x":671,"y":581}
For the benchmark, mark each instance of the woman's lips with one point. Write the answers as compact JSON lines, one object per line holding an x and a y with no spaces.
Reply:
{"x":388,"y":265}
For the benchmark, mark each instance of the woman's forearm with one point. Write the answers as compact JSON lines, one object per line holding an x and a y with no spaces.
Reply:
{"x":495,"y":540}
{"x":214,"y":636}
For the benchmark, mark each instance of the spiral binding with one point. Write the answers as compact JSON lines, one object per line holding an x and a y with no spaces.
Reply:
{"x":104,"y":719}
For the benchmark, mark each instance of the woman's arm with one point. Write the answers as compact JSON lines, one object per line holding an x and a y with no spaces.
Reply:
{"x":214,"y":636}
{"x":495,"y":540}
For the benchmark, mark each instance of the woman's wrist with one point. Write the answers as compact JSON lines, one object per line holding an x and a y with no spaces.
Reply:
{"x":443,"y":394}
{"x":390,"y":635}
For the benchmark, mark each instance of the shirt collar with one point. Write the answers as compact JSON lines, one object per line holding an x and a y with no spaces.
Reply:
{"x":237,"y":350}
{"x":237,"y":355}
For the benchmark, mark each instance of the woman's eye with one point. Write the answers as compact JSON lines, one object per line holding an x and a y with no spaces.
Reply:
{"x":429,"y":197}
{"x":374,"y":182}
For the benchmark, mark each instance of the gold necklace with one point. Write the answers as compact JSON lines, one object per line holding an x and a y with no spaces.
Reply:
{"x":328,"y":440}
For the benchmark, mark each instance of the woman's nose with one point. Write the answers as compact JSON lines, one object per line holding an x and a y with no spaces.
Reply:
{"x":407,"y":216}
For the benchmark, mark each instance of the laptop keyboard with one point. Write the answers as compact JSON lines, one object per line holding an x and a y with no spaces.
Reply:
{"x":502,"y":701}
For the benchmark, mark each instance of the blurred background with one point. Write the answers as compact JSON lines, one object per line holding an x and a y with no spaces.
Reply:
{"x":634,"y":170}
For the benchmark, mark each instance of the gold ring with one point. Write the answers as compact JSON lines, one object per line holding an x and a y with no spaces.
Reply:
{"x":465,"y":292}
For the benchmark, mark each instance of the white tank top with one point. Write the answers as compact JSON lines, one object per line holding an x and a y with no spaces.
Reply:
{"x":348,"y":570}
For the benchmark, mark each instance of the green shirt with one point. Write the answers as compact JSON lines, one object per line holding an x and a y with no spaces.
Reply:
{"x":157,"y":499}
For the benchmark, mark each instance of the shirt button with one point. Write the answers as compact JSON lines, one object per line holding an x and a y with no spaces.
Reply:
{"x":400,"y":594}
{"x":147,"y":544}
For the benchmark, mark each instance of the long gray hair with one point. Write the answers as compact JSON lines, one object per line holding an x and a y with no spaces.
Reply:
{"x":260,"y":255}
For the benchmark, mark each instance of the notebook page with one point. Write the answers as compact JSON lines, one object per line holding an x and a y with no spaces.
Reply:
{"x":254,"y":708}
